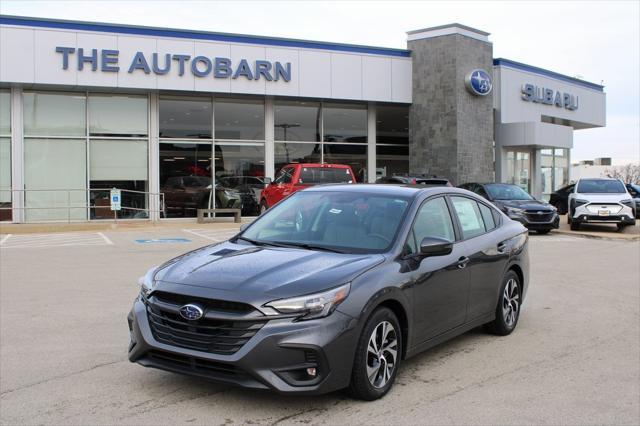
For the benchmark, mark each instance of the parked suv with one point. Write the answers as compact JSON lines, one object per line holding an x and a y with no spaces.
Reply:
{"x":294,"y":177}
{"x":601,"y":200}
{"x":634,"y":191}
{"x":516,"y":203}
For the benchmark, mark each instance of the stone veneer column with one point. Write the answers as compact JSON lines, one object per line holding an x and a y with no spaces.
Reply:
{"x":450,"y":129}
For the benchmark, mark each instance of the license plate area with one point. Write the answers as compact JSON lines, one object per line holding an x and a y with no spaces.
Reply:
{"x":603,"y":212}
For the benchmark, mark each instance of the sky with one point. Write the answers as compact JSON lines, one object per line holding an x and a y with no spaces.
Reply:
{"x":593,"y":40}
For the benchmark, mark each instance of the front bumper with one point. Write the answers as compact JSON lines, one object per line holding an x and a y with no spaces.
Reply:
{"x":275,"y":358}
{"x":623,"y":214}
{"x":534,"y":222}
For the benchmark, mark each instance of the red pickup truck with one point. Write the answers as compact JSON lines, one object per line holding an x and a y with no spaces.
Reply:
{"x":294,"y":177}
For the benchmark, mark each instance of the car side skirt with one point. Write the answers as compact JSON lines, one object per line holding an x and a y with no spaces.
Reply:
{"x":434,"y":341}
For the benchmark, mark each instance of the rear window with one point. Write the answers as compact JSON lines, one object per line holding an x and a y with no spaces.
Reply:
{"x":601,"y":186}
{"x":320,"y":175}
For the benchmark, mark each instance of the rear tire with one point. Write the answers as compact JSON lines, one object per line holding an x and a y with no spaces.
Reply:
{"x":508,"y":308}
{"x":263,"y":206}
{"x":377,"y":358}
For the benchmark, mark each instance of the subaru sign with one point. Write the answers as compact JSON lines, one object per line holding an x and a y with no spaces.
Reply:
{"x":478,"y":82}
{"x":543,"y":95}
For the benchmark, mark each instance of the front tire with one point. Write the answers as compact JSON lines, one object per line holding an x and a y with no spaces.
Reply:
{"x":377,"y":356}
{"x":621,"y":226}
{"x":508,"y":308}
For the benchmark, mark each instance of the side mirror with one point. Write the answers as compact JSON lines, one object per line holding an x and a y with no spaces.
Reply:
{"x":434,"y":246}
{"x":243,"y":227}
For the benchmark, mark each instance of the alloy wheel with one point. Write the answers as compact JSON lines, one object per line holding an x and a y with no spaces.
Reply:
{"x":510,"y":302}
{"x":382,"y":352}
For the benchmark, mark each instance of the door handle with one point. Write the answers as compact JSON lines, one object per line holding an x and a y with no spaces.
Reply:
{"x":462,"y":262}
{"x":502,"y":247}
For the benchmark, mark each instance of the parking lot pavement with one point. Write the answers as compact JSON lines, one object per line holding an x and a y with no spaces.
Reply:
{"x":63,"y":339}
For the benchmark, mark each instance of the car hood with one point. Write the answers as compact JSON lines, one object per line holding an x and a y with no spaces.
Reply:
{"x":525,"y":204}
{"x":603,"y":198}
{"x":252,"y":274}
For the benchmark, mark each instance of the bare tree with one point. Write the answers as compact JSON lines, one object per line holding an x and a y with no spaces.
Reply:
{"x":629,"y":173}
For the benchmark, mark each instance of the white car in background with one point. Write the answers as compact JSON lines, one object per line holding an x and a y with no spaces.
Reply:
{"x":600,"y":200}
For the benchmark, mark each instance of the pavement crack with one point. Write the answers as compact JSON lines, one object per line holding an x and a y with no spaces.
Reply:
{"x":62,"y":376}
{"x":291,"y":416}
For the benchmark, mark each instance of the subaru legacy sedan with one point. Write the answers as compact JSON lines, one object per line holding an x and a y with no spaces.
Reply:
{"x":333,"y":288}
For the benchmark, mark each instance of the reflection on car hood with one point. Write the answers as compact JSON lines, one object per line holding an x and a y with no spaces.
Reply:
{"x":253,"y":273}
{"x":524,"y":204}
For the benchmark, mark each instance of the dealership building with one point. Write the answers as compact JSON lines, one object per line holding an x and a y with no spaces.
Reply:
{"x":166,"y":115}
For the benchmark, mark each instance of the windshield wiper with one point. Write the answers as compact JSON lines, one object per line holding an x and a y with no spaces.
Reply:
{"x":308,"y":246}
{"x":259,"y":243}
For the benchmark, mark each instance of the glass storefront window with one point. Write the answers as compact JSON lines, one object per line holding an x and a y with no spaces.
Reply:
{"x":555,"y":170}
{"x":288,"y":153}
{"x":345,"y":123}
{"x":55,"y":172}
{"x":297,"y":121}
{"x":186,"y":118}
{"x":392,"y":160}
{"x":351,"y":155}
{"x":239,"y":119}
{"x":118,"y":115}
{"x":519,"y":169}
{"x":234,"y":160}
{"x":5,"y":112}
{"x":54,"y":114}
{"x":392,"y":124}
{"x":185,"y":177}
{"x":118,"y":164}
{"x":5,"y":178}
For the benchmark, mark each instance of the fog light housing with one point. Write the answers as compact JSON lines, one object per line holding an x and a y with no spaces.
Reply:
{"x":312,"y":372}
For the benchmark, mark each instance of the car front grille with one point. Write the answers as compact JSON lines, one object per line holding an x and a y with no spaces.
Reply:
{"x":224,"y":328}
{"x":533,"y":216}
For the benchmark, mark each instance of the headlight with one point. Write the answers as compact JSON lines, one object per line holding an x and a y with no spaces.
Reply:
{"x":628,"y":202}
{"x":314,"y":305}
{"x":147,"y":283}
{"x":579,"y":202}
{"x":514,"y":211}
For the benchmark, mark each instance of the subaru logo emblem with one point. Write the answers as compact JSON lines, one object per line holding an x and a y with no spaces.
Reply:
{"x":540,"y":212}
{"x":191,"y":312}
{"x":478,"y":82}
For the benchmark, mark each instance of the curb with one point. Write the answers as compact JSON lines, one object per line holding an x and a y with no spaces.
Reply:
{"x":629,"y":238}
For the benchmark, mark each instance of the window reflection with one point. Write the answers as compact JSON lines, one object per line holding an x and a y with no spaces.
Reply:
{"x":297,"y":121}
{"x":287,"y":153}
{"x":345,"y":123}
{"x":239,"y":119}
{"x":117,"y":115}
{"x":182,"y":118}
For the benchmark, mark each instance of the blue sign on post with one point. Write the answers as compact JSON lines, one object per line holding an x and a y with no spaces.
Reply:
{"x":116,"y":199}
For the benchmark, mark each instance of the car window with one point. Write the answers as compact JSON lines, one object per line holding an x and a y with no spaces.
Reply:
{"x":320,"y":175}
{"x":284,"y":175}
{"x":478,"y":189}
{"x":487,"y":217}
{"x":634,"y":190}
{"x":432,"y":220}
{"x":469,"y":216}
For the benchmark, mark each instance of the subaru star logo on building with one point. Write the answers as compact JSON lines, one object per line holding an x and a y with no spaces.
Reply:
{"x":191,"y":312}
{"x":478,"y":82}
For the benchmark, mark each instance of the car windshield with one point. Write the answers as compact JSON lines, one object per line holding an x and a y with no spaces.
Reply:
{"x":319,"y":175}
{"x":601,"y":186}
{"x":503,"y":191}
{"x":349,"y":222}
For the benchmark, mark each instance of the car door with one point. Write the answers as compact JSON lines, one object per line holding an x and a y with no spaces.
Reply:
{"x":487,"y":256}
{"x":441,"y":283}
{"x":281,"y":186}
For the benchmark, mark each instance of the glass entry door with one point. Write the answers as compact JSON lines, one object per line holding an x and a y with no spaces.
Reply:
{"x":519,"y":169}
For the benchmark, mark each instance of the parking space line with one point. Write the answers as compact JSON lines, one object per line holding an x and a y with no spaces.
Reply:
{"x":197,"y":234}
{"x":5,"y":238}
{"x":104,"y":237}
{"x":55,"y":240}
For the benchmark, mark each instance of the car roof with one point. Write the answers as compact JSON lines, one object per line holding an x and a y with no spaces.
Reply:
{"x":599,"y":178}
{"x":386,"y":189}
